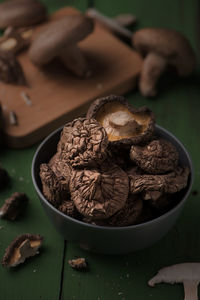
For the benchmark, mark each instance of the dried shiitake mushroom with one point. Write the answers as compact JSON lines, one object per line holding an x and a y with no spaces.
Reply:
{"x":24,"y":246}
{"x":83,"y":143}
{"x":129,"y":214}
{"x":124,"y":124}
{"x":99,"y":193}
{"x":153,"y":186}
{"x":156,"y":157}
{"x":60,"y":168}
{"x":55,"y":190}
{"x":13,"y":206}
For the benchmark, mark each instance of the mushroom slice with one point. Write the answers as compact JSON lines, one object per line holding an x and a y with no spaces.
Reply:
{"x":124,"y":124}
{"x":21,"y":13}
{"x":59,"y":39}
{"x":157,"y":157}
{"x":153,"y":186}
{"x":54,"y":190}
{"x":83,"y":143}
{"x":162,"y":48}
{"x":99,"y":193}
{"x":129,"y":214}
{"x":24,"y":246}
{"x":13,"y":206}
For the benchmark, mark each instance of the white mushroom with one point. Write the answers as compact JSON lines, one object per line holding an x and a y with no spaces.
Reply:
{"x":186,"y":273}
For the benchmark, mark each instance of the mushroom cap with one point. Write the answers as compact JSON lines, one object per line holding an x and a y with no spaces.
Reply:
{"x":124,"y":124}
{"x":57,"y":35}
{"x":21,"y":13}
{"x":168,"y":43}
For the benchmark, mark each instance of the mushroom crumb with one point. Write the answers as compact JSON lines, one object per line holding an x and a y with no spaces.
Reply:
{"x":78,"y":263}
{"x":119,"y":175}
{"x":13,"y":206}
{"x":22,"y":247}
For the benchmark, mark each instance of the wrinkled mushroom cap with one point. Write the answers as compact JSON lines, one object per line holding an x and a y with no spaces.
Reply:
{"x":57,"y":35}
{"x":170,"y":44}
{"x":99,"y":193}
{"x":21,"y":13}
{"x":124,"y":124}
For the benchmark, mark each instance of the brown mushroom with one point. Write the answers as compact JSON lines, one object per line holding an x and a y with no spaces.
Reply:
{"x":156,"y":157}
{"x":68,"y":208}
{"x":153,"y":186}
{"x":10,"y":69}
{"x":83,"y":143}
{"x":59,"y":39}
{"x":162,"y":48}
{"x":99,"y":193}
{"x":23,"y":246}
{"x":124,"y":124}
{"x":54,"y":188}
{"x":60,"y":168}
{"x":21,"y":13}
{"x":13,"y":206}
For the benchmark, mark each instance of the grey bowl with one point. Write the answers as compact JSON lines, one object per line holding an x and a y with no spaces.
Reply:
{"x":102,"y":239}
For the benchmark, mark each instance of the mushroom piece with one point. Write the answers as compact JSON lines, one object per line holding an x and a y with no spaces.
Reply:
{"x":21,"y":13}
{"x":186,"y":273}
{"x":124,"y":124}
{"x":54,"y":189}
{"x":99,"y":193}
{"x":10,"y":69}
{"x":83,"y":143}
{"x":156,"y":157}
{"x":162,"y":48}
{"x":13,"y":206}
{"x":68,"y":208}
{"x":23,"y":246}
{"x":61,"y":169}
{"x":59,"y":39}
{"x":153,"y":186}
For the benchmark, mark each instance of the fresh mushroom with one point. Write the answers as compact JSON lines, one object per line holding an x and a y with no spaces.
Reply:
{"x":21,"y":13}
{"x":59,"y":39}
{"x":186,"y":273}
{"x":162,"y":48}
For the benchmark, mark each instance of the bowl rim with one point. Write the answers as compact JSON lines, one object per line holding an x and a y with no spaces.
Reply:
{"x":113,"y":228}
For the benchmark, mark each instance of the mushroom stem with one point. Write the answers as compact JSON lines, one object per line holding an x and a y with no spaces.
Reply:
{"x":153,"y":66}
{"x":191,"y":290}
{"x":74,"y":60}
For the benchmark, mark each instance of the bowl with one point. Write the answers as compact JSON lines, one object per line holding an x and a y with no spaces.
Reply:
{"x":103,"y":239}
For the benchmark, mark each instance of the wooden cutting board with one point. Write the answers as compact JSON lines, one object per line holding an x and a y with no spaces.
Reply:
{"x":57,"y":96}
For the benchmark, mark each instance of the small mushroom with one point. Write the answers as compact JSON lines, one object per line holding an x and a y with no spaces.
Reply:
{"x":162,"y":48}
{"x":83,"y":143}
{"x":59,"y":39}
{"x":153,"y":186}
{"x":24,"y":246}
{"x":10,"y":69}
{"x":21,"y":13}
{"x":78,"y":263}
{"x":156,"y":157}
{"x":186,"y":273}
{"x":124,"y":124}
{"x":61,"y":169}
{"x":54,"y":188}
{"x":99,"y":193}
{"x":13,"y":206}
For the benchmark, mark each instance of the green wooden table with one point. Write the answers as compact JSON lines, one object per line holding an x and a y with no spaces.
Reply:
{"x":48,"y":276}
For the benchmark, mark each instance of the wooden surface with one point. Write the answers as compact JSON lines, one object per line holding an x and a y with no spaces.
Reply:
{"x":114,"y":277}
{"x":58,"y":96}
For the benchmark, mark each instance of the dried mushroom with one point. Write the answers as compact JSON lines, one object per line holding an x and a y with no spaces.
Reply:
{"x":153,"y":186}
{"x":129,"y":214}
{"x":10,"y":69}
{"x":68,"y":208}
{"x":60,"y":168}
{"x":78,"y":263}
{"x":99,"y":193}
{"x":124,"y":124}
{"x":24,"y":246}
{"x":83,"y":143}
{"x":13,"y":206}
{"x":156,"y":157}
{"x":55,"y":190}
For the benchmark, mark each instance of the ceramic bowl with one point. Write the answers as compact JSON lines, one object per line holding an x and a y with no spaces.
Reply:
{"x":102,"y":239}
